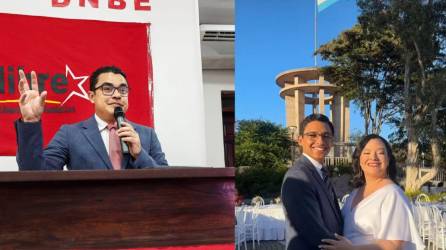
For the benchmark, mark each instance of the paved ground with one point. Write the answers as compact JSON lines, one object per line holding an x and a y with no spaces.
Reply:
{"x":265,"y":245}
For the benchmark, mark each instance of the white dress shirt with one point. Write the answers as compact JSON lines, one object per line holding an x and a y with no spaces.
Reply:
{"x":102,"y":125}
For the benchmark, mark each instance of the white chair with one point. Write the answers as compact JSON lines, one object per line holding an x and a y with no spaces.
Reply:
{"x":431,"y":227}
{"x":423,"y":214}
{"x":422,"y":198}
{"x":418,"y":218}
{"x":440,"y":228}
{"x":258,"y":201}
{"x":240,"y":236}
{"x":251,"y":226}
{"x":240,"y":232}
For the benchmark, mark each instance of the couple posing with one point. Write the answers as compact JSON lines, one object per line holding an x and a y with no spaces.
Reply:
{"x":376,"y":215}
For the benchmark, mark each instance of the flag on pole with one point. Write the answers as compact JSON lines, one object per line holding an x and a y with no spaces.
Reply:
{"x":323,"y":4}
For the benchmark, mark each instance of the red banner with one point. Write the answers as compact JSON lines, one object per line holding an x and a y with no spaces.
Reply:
{"x":64,"y":53}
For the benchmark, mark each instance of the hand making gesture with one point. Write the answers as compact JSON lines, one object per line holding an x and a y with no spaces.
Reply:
{"x":31,"y":102}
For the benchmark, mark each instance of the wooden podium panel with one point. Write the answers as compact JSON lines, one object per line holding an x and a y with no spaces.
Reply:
{"x":116,"y":209}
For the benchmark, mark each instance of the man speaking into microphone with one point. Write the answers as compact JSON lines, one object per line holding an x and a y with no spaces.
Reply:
{"x":104,"y":141}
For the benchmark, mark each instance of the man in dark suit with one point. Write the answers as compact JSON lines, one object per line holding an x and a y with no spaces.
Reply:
{"x":310,"y":203}
{"x":88,"y":144}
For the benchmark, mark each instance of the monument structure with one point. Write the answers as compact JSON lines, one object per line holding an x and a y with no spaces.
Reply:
{"x":307,"y":89}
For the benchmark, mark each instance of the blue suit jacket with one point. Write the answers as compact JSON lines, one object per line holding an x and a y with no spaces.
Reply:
{"x":311,"y":215}
{"x":80,"y":147}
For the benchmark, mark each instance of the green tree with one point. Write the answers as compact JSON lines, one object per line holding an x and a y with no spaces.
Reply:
{"x":365,"y":65}
{"x":262,"y":154}
{"x":265,"y":182}
{"x":262,"y":144}
{"x":420,"y":27}
{"x":394,"y":59}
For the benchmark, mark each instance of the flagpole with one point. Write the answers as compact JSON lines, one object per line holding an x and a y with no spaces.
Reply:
{"x":315,"y":32}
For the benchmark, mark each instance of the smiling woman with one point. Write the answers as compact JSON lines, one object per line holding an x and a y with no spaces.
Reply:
{"x":373,"y":155}
{"x":374,"y":159}
{"x":377,"y":210}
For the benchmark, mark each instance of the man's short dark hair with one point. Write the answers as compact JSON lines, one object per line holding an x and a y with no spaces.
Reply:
{"x":105,"y":69}
{"x":315,"y":117}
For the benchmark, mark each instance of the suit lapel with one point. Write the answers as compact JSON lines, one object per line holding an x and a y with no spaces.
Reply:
{"x":310,"y":167}
{"x":91,"y":133}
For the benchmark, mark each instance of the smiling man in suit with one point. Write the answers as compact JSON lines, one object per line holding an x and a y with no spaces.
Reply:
{"x":310,"y":203}
{"x":90,"y":144}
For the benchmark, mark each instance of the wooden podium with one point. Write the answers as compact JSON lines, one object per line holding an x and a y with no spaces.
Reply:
{"x":116,"y":209}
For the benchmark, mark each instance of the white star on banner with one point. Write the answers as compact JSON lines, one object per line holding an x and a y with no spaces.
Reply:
{"x":82,"y":79}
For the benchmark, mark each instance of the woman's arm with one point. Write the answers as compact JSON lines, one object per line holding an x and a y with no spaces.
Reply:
{"x":343,"y":243}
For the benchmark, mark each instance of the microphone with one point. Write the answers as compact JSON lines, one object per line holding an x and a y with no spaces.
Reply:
{"x":119,"y":116}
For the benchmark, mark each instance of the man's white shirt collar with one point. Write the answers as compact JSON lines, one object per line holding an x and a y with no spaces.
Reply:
{"x":316,"y":164}
{"x":101,"y":123}
{"x":103,"y":131}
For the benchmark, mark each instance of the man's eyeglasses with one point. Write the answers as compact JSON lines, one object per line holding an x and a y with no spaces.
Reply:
{"x":313,"y":136}
{"x":109,"y":90}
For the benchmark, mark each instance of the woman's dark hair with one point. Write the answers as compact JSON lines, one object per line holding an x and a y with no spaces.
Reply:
{"x":358,"y":174}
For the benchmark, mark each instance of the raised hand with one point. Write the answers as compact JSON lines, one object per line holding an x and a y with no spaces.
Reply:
{"x":31,"y":102}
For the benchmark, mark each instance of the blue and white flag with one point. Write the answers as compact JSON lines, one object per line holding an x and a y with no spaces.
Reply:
{"x":323,"y":4}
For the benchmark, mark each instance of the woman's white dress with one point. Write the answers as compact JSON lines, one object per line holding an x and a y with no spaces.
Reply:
{"x":385,"y":214}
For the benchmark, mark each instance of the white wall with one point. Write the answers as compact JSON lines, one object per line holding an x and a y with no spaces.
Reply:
{"x":178,"y":85}
{"x":8,"y":163}
{"x":215,"y":81}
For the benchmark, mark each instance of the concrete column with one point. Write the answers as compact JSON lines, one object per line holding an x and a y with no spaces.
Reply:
{"x":347,"y":119}
{"x":289,"y":107}
{"x":314,"y":104}
{"x":337,"y":118}
{"x":299,"y":104}
{"x":345,"y":123}
{"x":330,"y":104}
{"x":297,"y":80}
{"x":300,"y":108}
{"x":321,"y":79}
{"x":321,"y":101}
{"x":347,"y":126}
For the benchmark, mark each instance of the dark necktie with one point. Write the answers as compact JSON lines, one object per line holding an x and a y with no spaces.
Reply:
{"x":327,"y":182}
{"x":331,"y":193}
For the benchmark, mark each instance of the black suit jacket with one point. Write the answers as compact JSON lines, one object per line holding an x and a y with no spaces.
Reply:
{"x":311,"y":215}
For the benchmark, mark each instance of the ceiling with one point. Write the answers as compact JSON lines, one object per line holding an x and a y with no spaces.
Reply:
{"x":217,"y":17}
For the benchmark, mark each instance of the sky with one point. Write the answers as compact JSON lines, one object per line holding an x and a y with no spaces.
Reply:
{"x":276,"y":36}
